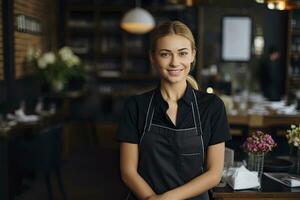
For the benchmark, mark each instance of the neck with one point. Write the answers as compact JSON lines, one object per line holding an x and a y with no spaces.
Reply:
{"x":172,"y":92}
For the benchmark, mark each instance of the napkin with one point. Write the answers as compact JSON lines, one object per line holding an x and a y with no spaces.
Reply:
{"x":241,"y":178}
{"x":21,"y":117}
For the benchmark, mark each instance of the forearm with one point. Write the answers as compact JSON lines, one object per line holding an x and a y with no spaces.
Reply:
{"x":196,"y":186}
{"x":137,"y":185}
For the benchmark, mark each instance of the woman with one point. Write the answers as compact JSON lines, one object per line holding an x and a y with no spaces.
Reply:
{"x":172,"y":138}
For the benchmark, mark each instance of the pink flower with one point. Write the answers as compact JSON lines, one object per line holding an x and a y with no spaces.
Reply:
{"x":259,"y":142}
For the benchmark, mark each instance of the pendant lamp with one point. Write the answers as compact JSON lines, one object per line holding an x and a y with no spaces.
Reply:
{"x":137,"y":21}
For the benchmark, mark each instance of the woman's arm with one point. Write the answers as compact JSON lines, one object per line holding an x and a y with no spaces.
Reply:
{"x":129,"y":156}
{"x":206,"y":181}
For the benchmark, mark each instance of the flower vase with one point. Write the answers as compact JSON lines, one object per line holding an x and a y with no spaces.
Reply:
{"x":256,"y":164}
{"x":298,"y":162}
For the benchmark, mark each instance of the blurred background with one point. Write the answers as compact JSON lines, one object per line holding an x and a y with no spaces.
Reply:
{"x":66,"y":67}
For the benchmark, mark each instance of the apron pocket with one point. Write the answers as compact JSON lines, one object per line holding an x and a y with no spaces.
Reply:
{"x":191,"y":144}
{"x":190,"y":166}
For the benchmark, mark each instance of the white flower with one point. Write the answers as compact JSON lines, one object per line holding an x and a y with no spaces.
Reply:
{"x":42,"y":64}
{"x":293,"y":135}
{"x":65,"y":53}
{"x":30,"y":54}
{"x":293,"y":126}
{"x":51,"y":61}
{"x":37,"y":53}
{"x":65,"y":50}
{"x":72,"y":61}
{"x":49,"y":57}
{"x":76,"y":60}
{"x":68,"y":57}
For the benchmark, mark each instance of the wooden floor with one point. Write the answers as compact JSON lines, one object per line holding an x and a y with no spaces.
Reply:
{"x":89,"y":174}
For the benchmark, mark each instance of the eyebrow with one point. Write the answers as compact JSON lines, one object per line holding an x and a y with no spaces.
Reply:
{"x":171,"y":51}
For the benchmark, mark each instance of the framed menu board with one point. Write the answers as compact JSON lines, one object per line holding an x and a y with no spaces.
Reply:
{"x":236,"y":38}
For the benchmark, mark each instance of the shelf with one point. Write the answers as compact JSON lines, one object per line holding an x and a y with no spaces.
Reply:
{"x":164,"y":8}
{"x":124,"y":8}
{"x":129,"y":77}
{"x":117,"y":94}
{"x":130,"y":62}
{"x":97,"y":7}
{"x":137,"y":54}
{"x":82,"y":29}
{"x":296,"y":32}
{"x":295,"y":78}
{"x":125,"y":92}
{"x":117,"y":31}
{"x":111,"y":53}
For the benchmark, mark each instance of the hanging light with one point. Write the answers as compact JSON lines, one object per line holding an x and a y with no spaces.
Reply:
{"x":279,"y":4}
{"x":271,"y":6}
{"x":137,"y":21}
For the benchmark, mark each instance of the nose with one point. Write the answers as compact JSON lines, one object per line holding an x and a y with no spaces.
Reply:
{"x":175,"y":61}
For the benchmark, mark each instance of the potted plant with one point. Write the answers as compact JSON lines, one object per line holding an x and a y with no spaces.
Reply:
{"x":257,"y":145}
{"x":56,"y":67}
{"x":293,"y":136}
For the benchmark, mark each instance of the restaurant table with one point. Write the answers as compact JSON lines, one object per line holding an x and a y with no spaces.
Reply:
{"x":270,"y":190}
{"x":275,"y":124}
{"x":262,"y":121}
{"x":7,"y":182}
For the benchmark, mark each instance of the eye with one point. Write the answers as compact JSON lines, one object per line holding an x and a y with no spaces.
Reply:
{"x":183,"y":53}
{"x":164,"y":55}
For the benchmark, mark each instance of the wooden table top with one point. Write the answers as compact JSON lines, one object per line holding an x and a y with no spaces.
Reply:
{"x":263,"y":120}
{"x":21,"y":127}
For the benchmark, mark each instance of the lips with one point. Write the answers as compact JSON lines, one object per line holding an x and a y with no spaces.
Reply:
{"x":174,"y":72}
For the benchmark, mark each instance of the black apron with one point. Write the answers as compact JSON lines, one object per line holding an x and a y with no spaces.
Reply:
{"x":169,"y":158}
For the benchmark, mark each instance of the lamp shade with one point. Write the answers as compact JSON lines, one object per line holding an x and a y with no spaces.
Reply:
{"x":137,"y":21}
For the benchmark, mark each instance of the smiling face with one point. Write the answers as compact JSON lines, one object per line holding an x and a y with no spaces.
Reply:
{"x":172,"y":58}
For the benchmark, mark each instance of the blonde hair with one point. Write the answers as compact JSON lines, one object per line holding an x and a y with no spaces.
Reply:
{"x":191,"y":80}
{"x":177,"y":28}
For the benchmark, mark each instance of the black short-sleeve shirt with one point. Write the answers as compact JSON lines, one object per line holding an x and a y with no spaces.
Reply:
{"x":212,"y":111}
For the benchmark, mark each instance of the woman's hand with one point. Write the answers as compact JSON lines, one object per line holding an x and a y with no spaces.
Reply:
{"x":165,"y":196}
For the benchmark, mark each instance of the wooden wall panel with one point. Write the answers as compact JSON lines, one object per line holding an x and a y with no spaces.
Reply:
{"x":1,"y":45}
{"x":36,"y":9}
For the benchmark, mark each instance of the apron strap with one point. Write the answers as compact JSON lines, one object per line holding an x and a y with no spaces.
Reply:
{"x":149,"y":117}
{"x":197,"y":115}
{"x":198,"y":124}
